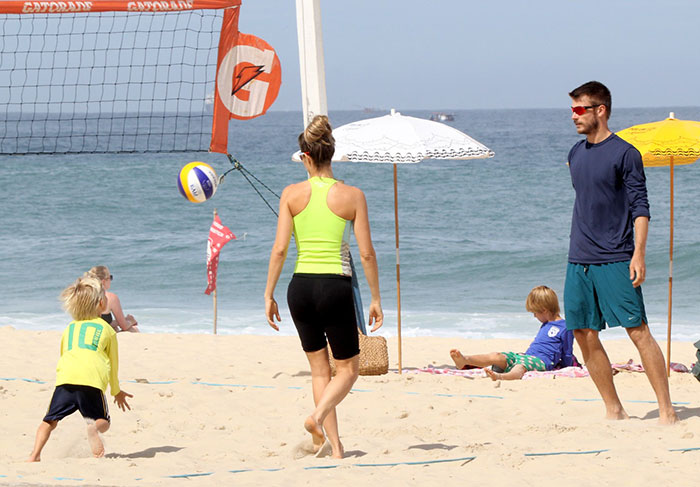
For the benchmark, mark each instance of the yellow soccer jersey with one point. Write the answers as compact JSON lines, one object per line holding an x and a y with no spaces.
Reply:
{"x":89,"y":356}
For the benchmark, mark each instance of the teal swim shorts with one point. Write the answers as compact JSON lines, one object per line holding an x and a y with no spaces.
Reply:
{"x":600,"y":294}
{"x":528,"y":361}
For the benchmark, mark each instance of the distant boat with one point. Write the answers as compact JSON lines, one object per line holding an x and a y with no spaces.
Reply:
{"x":442,"y":117}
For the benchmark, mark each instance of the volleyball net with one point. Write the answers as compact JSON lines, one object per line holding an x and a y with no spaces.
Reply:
{"x":114,"y":76}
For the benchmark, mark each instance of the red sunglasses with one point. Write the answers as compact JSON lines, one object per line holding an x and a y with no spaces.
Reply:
{"x":580,"y":110}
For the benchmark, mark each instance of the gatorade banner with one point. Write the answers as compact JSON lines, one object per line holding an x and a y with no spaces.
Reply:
{"x":219,"y":235}
{"x":62,"y":7}
{"x":248,"y":79}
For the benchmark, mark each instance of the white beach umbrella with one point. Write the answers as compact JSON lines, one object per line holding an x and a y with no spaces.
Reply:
{"x":399,"y":139}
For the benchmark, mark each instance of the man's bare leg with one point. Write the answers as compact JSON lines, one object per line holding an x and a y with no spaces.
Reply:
{"x":516,"y":373}
{"x":598,"y":364}
{"x":655,"y":368}
{"x":43,"y":433}
{"x":482,"y":360}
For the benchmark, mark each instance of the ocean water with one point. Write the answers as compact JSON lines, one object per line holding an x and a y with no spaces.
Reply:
{"x":476,"y":236}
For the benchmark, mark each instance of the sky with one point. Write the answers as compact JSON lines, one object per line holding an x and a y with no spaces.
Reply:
{"x":468,"y":54}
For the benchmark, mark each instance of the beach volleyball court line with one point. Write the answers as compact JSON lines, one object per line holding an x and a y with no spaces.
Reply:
{"x":188,"y":475}
{"x":683,"y":450}
{"x":439,"y":394}
{"x":643,"y":401}
{"x":36,"y":381}
{"x":425,"y":462}
{"x":546,"y":454}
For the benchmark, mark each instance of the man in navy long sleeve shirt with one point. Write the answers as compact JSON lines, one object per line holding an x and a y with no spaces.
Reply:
{"x":607,"y":249}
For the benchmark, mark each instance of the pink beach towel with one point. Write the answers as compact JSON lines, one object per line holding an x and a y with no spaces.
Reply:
{"x":630,"y":366}
{"x":572,"y":372}
{"x":565,"y":372}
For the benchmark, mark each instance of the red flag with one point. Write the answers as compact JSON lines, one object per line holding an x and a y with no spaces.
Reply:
{"x":248,"y":78}
{"x":219,"y":235}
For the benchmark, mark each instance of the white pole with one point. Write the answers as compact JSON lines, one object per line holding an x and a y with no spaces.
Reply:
{"x":311,"y":65}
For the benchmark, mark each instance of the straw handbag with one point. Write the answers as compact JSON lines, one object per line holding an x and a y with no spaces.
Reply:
{"x":374,"y":357}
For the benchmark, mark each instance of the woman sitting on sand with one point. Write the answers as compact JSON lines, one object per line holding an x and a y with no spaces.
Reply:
{"x":113,"y":313}
{"x":321,"y":211}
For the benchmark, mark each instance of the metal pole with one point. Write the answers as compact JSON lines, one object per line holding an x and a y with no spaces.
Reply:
{"x":311,"y":64}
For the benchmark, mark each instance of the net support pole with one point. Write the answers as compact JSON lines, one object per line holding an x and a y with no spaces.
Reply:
{"x":213,"y":294}
{"x":311,"y":65}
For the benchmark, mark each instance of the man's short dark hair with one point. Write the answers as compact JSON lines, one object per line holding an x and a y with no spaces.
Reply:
{"x":597,"y":92}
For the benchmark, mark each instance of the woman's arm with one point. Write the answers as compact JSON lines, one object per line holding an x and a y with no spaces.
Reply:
{"x":115,"y":307}
{"x":368,"y":258}
{"x":277,"y":257}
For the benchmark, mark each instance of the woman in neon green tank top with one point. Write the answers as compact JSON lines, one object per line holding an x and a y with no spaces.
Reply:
{"x":321,"y":212}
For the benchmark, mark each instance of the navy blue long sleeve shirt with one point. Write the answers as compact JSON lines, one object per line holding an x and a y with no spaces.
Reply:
{"x":611,"y":193}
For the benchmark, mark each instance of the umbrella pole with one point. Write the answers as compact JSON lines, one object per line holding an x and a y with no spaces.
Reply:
{"x":670,"y":281}
{"x":398,"y":270}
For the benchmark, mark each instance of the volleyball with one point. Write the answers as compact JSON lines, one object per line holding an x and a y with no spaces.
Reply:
{"x":197,"y":182}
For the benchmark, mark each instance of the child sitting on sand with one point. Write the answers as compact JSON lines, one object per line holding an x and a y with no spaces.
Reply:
{"x":551,"y":348}
{"x":89,"y":360}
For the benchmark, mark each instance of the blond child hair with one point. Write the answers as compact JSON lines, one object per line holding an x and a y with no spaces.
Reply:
{"x":542,"y":298}
{"x":85,"y":298}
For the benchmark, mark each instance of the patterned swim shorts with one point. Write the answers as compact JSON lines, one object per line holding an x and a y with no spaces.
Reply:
{"x":527,"y":361}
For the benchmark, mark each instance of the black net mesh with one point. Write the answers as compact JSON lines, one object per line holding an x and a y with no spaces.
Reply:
{"x":107,"y":82}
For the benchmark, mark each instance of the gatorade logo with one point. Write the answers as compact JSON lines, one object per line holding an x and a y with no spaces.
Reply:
{"x":249,"y":77}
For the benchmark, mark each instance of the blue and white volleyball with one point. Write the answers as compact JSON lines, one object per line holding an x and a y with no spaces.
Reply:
{"x":197,"y":182}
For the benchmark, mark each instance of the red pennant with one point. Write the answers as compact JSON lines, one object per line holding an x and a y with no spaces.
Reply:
{"x":219,"y":235}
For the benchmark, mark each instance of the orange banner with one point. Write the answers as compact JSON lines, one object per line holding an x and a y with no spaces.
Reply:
{"x":61,"y":7}
{"x":248,"y":79}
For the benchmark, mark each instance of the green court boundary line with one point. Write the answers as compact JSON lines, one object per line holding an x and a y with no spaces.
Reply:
{"x":438,"y":394}
{"x":547,"y":454}
{"x":366,"y":465}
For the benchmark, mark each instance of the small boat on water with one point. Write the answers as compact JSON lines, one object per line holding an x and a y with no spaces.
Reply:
{"x":442,"y":117}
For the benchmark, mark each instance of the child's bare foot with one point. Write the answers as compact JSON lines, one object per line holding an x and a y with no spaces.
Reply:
{"x":459,"y":359}
{"x":492,"y":374}
{"x":316,"y":432}
{"x":96,"y":445}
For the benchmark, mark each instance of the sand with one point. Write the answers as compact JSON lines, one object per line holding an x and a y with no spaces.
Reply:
{"x":229,"y":410}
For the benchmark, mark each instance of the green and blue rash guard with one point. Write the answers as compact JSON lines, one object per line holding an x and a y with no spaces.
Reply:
{"x":322,"y":237}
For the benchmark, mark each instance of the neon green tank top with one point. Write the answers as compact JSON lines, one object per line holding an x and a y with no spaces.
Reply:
{"x":322,"y":237}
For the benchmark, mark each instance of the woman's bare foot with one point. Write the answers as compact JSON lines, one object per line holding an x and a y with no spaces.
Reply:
{"x":492,"y":374}
{"x":459,"y":359}
{"x":316,"y":431}
{"x":96,"y":445}
{"x":338,"y":451}
{"x":34,"y":458}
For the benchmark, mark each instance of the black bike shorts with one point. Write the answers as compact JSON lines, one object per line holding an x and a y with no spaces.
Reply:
{"x":322,"y":306}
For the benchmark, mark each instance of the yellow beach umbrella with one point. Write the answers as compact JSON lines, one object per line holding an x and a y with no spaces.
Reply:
{"x":669,"y":142}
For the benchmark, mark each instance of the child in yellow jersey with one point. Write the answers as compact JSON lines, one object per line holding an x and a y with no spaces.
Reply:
{"x":89,"y":361}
